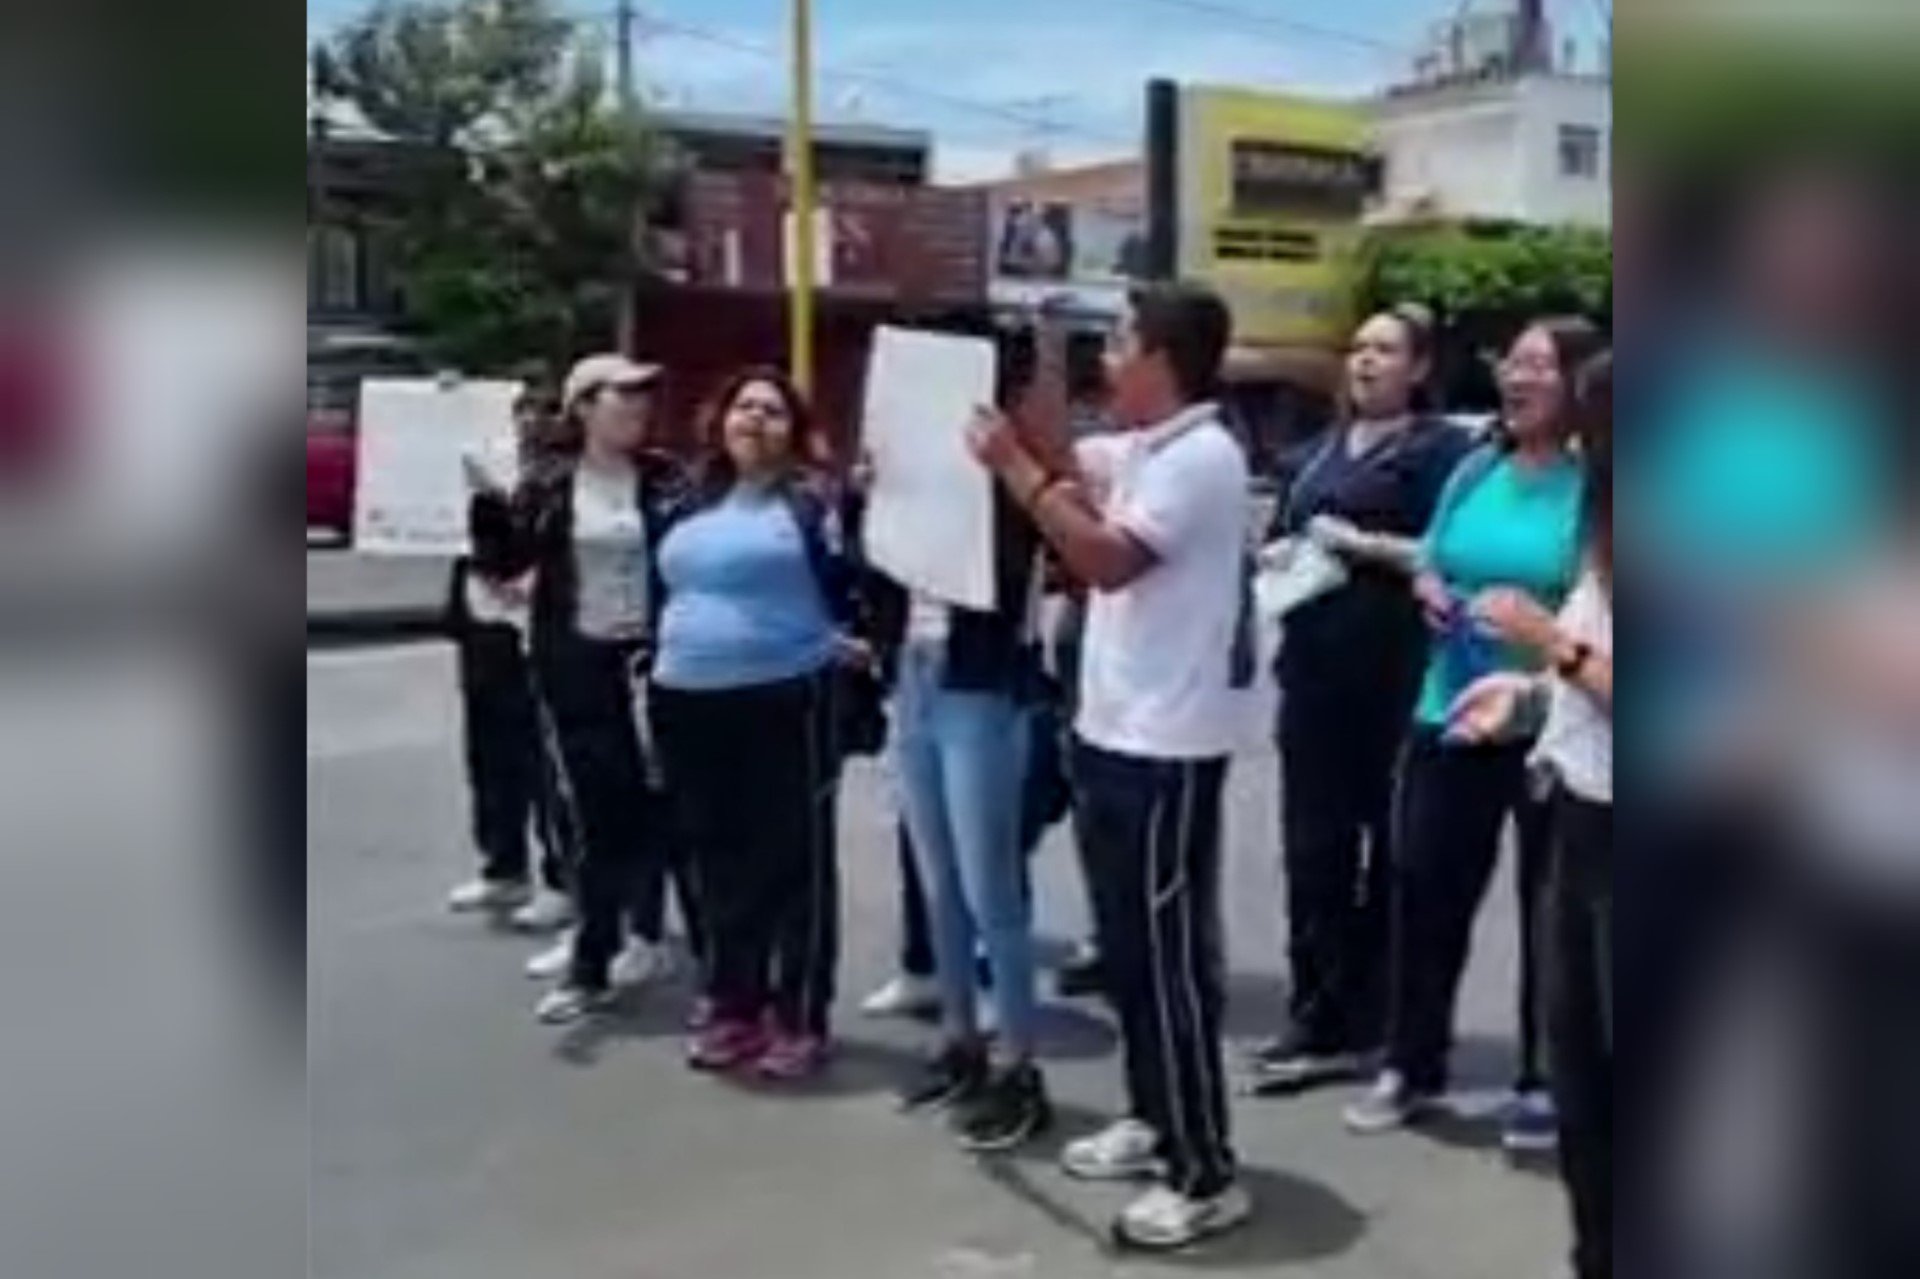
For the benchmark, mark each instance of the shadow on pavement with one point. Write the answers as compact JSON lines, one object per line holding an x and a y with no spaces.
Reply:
{"x":1295,"y":1219}
{"x":658,"y":1012}
{"x":1070,"y":1033}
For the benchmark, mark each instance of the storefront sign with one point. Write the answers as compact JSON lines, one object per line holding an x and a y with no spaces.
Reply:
{"x":1261,"y":195}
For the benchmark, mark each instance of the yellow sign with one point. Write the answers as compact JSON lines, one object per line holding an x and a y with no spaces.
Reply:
{"x":1271,"y":191}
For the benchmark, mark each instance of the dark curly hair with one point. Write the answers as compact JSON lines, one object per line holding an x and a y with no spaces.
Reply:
{"x":808,"y":448}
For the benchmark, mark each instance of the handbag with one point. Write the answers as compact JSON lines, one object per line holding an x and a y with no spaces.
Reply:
{"x":859,"y":711}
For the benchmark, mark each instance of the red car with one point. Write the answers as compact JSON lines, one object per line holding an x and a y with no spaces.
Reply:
{"x":36,"y":430}
{"x":336,"y":365}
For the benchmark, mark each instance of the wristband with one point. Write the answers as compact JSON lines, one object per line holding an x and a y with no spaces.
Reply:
{"x":1569,"y":667}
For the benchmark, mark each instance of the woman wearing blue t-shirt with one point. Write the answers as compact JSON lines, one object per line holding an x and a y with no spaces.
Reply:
{"x":1509,"y":517}
{"x":756,"y":590}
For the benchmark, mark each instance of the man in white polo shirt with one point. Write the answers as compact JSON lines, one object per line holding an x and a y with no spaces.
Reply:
{"x":1154,"y":518}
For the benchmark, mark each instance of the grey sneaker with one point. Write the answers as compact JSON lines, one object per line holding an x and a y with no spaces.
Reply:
{"x":567,"y":1003}
{"x":1391,"y":1103}
{"x":1164,"y":1220}
{"x":546,"y":912}
{"x":1291,"y":1064}
{"x":1125,"y":1150}
{"x":489,"y":894}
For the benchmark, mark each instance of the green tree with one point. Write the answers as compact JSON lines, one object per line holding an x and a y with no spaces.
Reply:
{"x":516,"y":237}
{"x":1515,"y":271}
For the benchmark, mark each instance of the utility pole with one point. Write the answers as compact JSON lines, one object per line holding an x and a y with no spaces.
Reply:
{"x":800,"y":310}
{"x":624,"y":18}
{"x":626,"y":314}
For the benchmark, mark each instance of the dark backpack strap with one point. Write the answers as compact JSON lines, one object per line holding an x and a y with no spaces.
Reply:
{"x":1245,"y":657}
{"x":831,"y":571}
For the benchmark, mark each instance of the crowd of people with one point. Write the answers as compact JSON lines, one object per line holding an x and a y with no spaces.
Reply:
{"x":666,"y":665}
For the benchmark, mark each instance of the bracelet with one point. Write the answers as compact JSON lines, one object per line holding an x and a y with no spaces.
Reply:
{"x":1569,"y":667}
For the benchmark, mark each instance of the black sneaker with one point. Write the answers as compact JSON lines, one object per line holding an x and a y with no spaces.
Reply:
{"x":1295,"y":1063}
{"x":956,"y":1073}
{"x":1011,"y":1109}
{"x":1081,"y":975}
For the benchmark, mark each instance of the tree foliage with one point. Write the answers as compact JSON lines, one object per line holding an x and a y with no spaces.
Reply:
{"x":1484,"y":283}
{"x":519,"y":242}
{"x":1518,"y":271}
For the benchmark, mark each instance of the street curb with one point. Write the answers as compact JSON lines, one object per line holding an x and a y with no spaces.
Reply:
{"x":346,"y":629}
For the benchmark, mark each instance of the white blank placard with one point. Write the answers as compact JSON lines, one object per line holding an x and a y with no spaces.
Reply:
{"x":410,"y":491}
{"x":929,"y":522}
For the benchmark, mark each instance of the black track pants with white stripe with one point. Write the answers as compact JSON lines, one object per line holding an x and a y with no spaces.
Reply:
{"x":753,"y":775}
{"x":1151,"y":835}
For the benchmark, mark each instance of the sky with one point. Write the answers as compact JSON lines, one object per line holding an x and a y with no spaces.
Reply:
{"x":990,"y":78}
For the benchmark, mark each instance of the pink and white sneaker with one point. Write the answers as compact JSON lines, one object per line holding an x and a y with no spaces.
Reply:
{"x":790,"y":1058}
{"x":726,"y":1045}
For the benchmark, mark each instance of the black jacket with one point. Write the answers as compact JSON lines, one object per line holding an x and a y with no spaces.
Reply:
{"x":533,"y":529}
{"x":986,"y":652}
{"x":1368,"y":638}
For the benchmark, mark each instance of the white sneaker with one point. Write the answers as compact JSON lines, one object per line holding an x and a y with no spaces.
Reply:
{"x":1164,"y":1219}
{"x":1122,"y":1151}
{"x":547,"y":912}
{"x":1391,"y":1103}
{"x":904,"y":996}
{"x":638,"y":963}
{"x":567,"y":1003}
{"x":488,"y":894}
{"x":553,"y":961}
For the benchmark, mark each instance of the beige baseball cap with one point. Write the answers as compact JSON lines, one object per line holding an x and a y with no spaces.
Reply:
{"x":597,"y":371}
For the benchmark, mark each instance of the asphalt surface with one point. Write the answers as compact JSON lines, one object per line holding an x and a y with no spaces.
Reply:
{"x":454,"y":1138}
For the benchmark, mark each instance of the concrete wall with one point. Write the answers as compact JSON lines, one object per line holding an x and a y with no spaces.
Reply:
{"x":1547,"y":103}
{"x":1460,"y":154}
{"x":1492,"y":150}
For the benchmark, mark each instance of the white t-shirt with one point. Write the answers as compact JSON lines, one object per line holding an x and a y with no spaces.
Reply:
{"x":609,"y":554}
{"x":928,"y":620}
{"x":1156,"y":666}
{"x":1577,"y":739}
{"x":1853,"y":753}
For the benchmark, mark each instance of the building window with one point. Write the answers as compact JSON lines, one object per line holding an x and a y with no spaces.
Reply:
{"x":1579,"y":151}
{"x":333,"y":268}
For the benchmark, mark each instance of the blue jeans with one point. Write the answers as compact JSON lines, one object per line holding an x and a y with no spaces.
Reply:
{"x":960,"y":758}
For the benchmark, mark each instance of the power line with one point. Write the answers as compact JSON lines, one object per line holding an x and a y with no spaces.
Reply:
{"x":888,"y":81}
{"x":1292,"y":26}
{"x":902,"y":84}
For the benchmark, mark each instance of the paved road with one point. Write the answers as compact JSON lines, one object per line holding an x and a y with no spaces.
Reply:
{"x":453,"y":1138}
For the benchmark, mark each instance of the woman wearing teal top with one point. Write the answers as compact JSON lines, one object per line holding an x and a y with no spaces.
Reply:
{"x":1509,"y":518}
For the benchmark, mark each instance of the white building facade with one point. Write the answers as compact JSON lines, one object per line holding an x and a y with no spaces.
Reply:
{"x":1534,"y":148}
